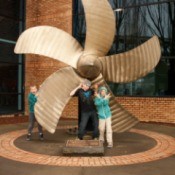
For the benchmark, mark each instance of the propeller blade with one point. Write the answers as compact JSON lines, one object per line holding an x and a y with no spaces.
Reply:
{"x":53,"y":96}
{"x":132,"y":65}
{"x":122,"y":120}
{"x":51,"y":42}
{"x":100,"y":22}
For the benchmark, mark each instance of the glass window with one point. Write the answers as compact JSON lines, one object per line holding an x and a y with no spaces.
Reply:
{"x":136,"y":23}
{"x":11,"y":9}
{"x":9,"y":28}
{"x":8,"y":87}
{"x":11,"y":64}
{"x":7,"y":54}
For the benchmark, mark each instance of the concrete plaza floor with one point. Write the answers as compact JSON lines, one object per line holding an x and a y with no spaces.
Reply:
{"x":147,"y":149}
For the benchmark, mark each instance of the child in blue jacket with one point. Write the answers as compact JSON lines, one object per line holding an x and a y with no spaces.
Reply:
{"x":32,"y":99}
{"x":104,"y":114}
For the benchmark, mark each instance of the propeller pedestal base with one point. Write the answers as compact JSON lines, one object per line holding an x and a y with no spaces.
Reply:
{"x":76,"y":147}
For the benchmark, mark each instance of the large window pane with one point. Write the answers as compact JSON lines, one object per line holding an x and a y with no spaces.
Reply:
{"x":11,"y":64}
{"x":9,"y":19}
{"x":136,"y":23}
{"x":9,"y":29}
{"x":8,"y":77}
{"x":7,"y":53}
{"x":8,"y":87}
{"x":8,"y":103}
{"x":10,"y":8}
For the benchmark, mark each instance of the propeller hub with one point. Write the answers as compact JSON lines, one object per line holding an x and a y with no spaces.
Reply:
{"x":89,"y":66}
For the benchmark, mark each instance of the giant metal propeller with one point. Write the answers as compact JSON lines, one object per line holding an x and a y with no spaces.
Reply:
{"x":89,"y":63}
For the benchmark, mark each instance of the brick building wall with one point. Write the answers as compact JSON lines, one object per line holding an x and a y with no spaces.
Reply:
{"x":145,"y":109}
{"x":150,"y":109}
{"x":58,"y":13}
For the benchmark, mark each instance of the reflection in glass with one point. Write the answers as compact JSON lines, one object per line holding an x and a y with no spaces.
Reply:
{"x":135,"y":25}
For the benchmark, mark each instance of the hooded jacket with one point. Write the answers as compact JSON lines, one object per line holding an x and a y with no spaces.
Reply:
{"x":103,"y":109}
{"x":32,"y":99}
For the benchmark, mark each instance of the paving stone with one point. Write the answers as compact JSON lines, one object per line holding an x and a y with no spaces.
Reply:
{"x":164,"y":148}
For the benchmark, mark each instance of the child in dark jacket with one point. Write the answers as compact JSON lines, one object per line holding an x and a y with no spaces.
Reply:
{"x":87,"y":108}
{"x":104,"y":114}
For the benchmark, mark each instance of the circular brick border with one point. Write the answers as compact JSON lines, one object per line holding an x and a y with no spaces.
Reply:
{"x":165,"y":147}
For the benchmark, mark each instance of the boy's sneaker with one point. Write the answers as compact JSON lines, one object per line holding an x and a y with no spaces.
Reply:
{"x":110,"y":145}
{"x":28,"y":137}
{"x":41,"y":137}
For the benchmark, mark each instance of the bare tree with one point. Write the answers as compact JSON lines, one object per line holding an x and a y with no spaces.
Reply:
{"x":160,"y":20}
